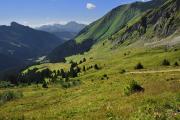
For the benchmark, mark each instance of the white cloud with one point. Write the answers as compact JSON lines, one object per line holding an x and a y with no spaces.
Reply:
{"x":90,"y":6}
{"x":144,"y":0}
{"x":25,"y":22}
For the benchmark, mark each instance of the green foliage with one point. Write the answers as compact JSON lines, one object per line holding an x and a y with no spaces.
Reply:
{"x":70,"y":83}
{"x":122,"y":71}
{"x":165,"y":62}
{"x":63,"y":74}
{"x":139,"y":66}
{"x":133,"y":87}
{"x":9,"y":96}
{"x":45,"y":85}
{"x":152,"y":109}
{"x":84,"y":68}
{"x":114,"y":21}
{"x":84,"y":59}
{"x":112,"y":116}
{"x":105,"y":76}
{"x":176,"y":64}
{"x":5,"y":84}
{"x":96,"y":67}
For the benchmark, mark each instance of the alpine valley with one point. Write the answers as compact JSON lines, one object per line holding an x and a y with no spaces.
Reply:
{"x":123,"y":66}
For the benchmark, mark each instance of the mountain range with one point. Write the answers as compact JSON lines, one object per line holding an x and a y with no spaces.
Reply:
{"x":65,"y":32}
{"x":21,"y":44}
{"x":156,"y":18}
{"x":126,"y":23}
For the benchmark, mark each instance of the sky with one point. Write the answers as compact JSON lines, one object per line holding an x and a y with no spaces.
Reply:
{"x":35,"y":13}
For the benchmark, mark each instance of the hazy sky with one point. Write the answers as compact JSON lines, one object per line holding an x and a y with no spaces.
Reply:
{"x":39,"y":12}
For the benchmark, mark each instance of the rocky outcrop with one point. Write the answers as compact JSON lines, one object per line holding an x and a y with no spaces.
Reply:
{"x":163,"y":21}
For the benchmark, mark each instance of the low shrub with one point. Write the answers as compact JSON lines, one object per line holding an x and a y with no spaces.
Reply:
{"x":176,"y":64}
{"x":156,"y":109}
{"x":65,"y":84}
{"x":105,"y":77}
{"x":165,"y":62}
{"x":9,"y":96}
{"x":96,"y":67}
{"x":5,"y":84}
{"x":139,"y":66}
{"x":70,"y":83}
{"x":122,"y":71}
{"x":133,"y":87}
{"x":45,"y":85}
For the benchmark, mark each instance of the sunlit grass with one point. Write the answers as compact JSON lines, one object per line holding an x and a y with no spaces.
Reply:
{"x":103,"y":99}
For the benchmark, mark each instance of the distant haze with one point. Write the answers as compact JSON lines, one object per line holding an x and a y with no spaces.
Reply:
{"x":65,"y":32}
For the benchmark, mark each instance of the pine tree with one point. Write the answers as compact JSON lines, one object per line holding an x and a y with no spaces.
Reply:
{"x":84,"y":68}
{"x":96,"y":67}
{"x":63,"y":74}
{"x":84,"y":59}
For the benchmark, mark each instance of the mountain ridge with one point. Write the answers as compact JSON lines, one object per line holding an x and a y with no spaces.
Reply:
{"x":63,"y":31}
{"x":22,"y":42}
{"x":105,"y":27}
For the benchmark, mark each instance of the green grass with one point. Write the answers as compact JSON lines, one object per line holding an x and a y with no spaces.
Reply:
{"x":96,"y":99}
{"x":109,"y":24}
{"x":51,"y":66}
{"x":99,"y":99}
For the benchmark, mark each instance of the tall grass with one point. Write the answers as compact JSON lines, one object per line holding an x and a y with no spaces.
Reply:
{"x":9,"y":96}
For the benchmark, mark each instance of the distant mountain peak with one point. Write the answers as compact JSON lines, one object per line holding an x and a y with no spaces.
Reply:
{"x":67,"y":31}
{"x":73,"y":23}
{"x":15,"y":24}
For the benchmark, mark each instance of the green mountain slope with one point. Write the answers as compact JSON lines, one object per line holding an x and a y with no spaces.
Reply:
{"x":116,"y":20}
{"x":112,"y":22}
{"x":160,"y":23}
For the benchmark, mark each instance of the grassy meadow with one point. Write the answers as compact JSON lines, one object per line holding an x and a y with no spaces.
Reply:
{"x":101,"y":93}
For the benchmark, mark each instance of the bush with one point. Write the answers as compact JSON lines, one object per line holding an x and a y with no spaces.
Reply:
{"x":5,"y":84}
{"x":65,"y":85}
{"x":76,"y":82}
{"x":96,"y":67}
{"x":165,"y":62}
{"x":9,"y":96}
{"x":176,"y":64}
{"x":80,"y":62}
{"x":122,"y":71}
{"x":84,"y":59}
{"x":70,"y":83}
{"x":84,"y":68}
{"x":139,"y":66}
{"x":44,"y":85}
{"x":105,"y":76}
{"x":133,"y":87}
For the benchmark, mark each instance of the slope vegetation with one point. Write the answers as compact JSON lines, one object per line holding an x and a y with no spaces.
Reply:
{"x":120,"y":78}
{"x":103,"y":28}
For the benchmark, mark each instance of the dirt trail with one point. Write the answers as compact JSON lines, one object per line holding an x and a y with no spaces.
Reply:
{"x":154,"y":71}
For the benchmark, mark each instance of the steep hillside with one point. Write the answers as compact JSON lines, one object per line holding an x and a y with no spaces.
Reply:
{"x":105,"y":27}
{"x":65,"y":35}
{"x":156,"y":23}
{"x":116,"y":20}
{"x":7,"y":61}
{"x":18,"y":41}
